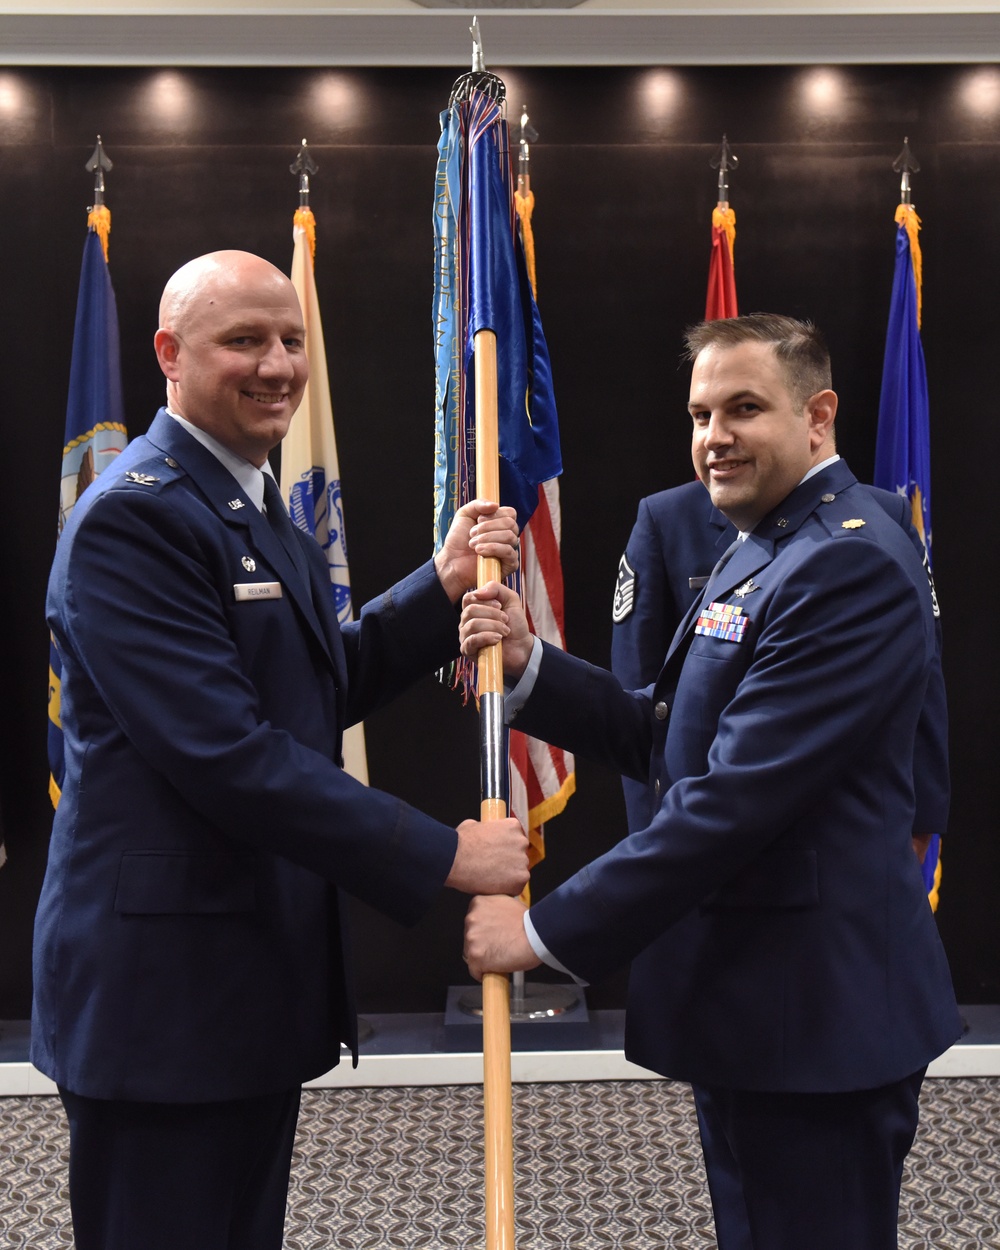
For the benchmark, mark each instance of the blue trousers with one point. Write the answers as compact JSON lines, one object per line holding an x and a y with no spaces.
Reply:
{"x":807,"y":1171}
{"x":180,"y":1176}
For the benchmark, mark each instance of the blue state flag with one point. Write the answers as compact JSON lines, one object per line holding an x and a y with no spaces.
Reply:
{"x":500,"y":299}
{"x":95,"y":430}
{"x":902,"y":448}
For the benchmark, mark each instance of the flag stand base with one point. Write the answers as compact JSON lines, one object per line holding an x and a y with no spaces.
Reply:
{"x":548,"y":1017}
{"x":528,"y":1003}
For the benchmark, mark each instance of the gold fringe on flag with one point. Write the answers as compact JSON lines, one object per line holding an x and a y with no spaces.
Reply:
{"x":935,"y":895}
{"x":725,"y":219}
{"x":99,"y":220}
{"x":906,"y":215}
{"x":525,"y":205}
{"x":304,"y":218}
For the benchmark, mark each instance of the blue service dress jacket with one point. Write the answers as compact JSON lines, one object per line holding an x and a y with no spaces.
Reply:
{"x":190,"y":941}
{"x":678,"y":537}
{"x":773,"y":908}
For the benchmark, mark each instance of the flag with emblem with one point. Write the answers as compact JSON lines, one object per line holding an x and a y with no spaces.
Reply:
{"x":310,"y":470}
{"x":95,"y":422}
{"x":482,"y":282}
{"x":902,"y":449}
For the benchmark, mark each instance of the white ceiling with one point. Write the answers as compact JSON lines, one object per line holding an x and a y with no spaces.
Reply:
{"x":406,"y":32}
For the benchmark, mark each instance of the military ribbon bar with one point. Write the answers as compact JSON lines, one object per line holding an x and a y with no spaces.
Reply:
{"x":722,"y":620}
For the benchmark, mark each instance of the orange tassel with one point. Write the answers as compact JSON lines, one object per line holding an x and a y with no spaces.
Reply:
{"x":725,"y":219}
{"x":99,"y":220}
{"x":305,"y":219}
{"x":906,"y":215}
{"x":525,"y":205}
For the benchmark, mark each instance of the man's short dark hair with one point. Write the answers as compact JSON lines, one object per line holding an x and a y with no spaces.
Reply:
{"x":799,"y":346}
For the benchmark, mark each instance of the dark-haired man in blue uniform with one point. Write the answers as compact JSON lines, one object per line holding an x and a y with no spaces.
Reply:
{"x":785,"y":959}
{"x":678,"y":537}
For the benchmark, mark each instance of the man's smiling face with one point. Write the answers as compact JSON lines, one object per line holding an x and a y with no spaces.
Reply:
{"x":751,"y":443}
{"x":233,"y":351}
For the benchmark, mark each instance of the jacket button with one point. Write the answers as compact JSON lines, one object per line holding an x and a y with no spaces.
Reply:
{"x":661,"y":711}
{"x":656,"y":788}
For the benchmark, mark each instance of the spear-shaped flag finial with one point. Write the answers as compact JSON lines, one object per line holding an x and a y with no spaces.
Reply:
{"x":98,"y":165}
{"x":479,"y":78}
{"x":304,"y":166}
{"x":478,"y":56}
{"x":904,"y":165}
{"x":527,"y":135}
{"x":98,"y":214}
{"x":724,"y":160}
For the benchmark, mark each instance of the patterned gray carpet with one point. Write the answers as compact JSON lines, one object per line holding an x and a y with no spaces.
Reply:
{"x":599,"y":1166}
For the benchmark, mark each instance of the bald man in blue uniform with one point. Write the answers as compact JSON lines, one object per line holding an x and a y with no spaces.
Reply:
{"x":192,"y":963}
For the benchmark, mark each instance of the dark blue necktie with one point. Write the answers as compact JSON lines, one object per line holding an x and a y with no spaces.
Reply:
{"x":724,"y":559}
{"x":280,"y":522}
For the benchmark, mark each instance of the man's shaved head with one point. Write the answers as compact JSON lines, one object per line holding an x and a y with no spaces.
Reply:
{"x":231,"y":344}
{"x":196,"y":285}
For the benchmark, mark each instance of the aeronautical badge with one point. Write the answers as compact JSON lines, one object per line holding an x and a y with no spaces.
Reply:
{"x":140,"y":479}
{"x":854,"y":524}
{"x":249,"y":564}
{"x":624,"y":592}
{"x":727,"y":621}
{"x":748,"y":587}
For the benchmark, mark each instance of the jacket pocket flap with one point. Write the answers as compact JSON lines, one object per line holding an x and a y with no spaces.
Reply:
{"x":155,"y":883}
{"x":788,"y":880}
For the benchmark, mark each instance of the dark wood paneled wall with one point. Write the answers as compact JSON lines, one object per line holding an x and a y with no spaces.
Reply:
{"x":624,"y":195}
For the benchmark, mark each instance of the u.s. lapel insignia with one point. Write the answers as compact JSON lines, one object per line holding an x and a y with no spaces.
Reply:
{"x":249,"y":564}
{"x":854,"y":524}
{"x":236,"y":504}
{"x":140,"y":479}
{"x":748,"y":587}
{"x":624,"y":591}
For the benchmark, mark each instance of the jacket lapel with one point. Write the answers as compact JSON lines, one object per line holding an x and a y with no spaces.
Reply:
{"x":224,"y":494}
{"x":758,"y":549}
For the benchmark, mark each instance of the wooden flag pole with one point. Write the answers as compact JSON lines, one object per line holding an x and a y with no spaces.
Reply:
{"x":496,"y":989}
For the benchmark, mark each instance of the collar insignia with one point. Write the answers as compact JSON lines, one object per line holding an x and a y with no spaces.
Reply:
{"x":236,"y":504}
{"x":249,"y":563}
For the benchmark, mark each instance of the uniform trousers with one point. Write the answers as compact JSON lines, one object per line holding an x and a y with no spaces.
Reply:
{"x":180,"y":1176}
{"x":791,"y":1171}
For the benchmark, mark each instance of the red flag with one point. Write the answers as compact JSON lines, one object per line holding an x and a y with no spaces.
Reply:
{"x":721,"y":299}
